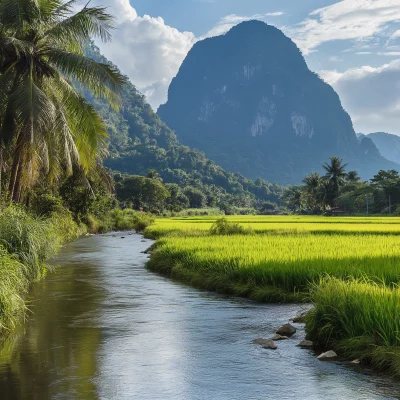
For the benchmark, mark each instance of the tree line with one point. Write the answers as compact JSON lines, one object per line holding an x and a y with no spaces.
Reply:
{"x":345,"y":192}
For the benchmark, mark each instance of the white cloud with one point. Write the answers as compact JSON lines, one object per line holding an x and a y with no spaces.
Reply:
{"x":389,"y":53}
{"x":371,"y":96}
{"x":147,"y":50}
{"x":346,"y":19}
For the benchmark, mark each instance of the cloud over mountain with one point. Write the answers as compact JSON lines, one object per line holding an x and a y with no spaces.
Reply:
{"x":371,"y":95}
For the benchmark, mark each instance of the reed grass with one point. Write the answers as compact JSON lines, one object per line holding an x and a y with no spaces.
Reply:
{"x":359,"y":318}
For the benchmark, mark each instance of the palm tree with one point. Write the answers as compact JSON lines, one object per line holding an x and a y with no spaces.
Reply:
{"x":353,"y":177}
{"x":46,"y":125}
{"x":312,"y":190}
{"x":335,"y":178}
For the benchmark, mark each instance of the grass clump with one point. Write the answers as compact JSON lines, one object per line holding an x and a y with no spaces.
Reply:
{"x":26,"y":242}
{"x":359,"y":318}
{"x":14,"y":284}
{"x":224,"y":227}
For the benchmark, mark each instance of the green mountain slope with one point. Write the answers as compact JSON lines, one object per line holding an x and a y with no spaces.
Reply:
{"x":140,"y":141}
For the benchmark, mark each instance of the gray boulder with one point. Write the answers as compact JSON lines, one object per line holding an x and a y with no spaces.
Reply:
{"x":286,"y":330}
{"x":279,"y":337}
{"x":306,"y":343}
{"x":266,"y":343}
{"x":327,"y":356}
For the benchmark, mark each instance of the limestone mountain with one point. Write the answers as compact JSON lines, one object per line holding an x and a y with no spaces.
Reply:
{"x":388,"y":145}
{"x":249,"y":101}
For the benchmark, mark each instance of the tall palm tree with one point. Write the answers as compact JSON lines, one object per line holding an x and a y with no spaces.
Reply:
{"x":46,"y":125}
{"x":312,"y":190}
{"x":335,"y":178}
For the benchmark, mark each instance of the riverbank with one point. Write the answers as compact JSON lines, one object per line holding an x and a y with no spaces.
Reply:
{"x":289,"y":260}
{"x":28,"y":241}
{"x":102,"y":324}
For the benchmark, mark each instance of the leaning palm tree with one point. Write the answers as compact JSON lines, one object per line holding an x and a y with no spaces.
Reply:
{"x":335,"y":178}
{"x":46,"y":125}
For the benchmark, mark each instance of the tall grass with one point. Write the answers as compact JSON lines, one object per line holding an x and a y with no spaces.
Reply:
{"x":120,"y":220}
{"x":359,"y":318}
{"x":289,"y":262}
{"x":26,"y":242}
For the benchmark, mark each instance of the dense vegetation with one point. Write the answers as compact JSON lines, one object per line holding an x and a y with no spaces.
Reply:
{"x":347,"y":266}
{"x":345,"y":192}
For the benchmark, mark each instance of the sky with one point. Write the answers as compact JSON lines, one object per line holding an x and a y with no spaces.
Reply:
{"x":354,"y":45}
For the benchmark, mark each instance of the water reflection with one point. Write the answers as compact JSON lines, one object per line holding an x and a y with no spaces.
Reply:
{"x":106,"y":328}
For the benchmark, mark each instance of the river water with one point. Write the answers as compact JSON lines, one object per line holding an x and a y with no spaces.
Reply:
{"x":103,"y":327}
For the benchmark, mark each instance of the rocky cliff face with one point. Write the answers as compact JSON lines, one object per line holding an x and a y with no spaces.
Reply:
{"x":388,"y":145}
{"x":248,"y":100}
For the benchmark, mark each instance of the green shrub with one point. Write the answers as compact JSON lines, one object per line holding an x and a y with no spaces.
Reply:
{"x":13,"y":285}
{"x":224,"y":227}
{"x":32,"y":240}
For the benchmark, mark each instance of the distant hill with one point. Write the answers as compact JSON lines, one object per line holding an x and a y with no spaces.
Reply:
{"x":140,"y":141}
{"x":248,"y":100}
{"x":388,"y":145}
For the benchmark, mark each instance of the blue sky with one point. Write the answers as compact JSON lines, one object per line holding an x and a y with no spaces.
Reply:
{"x":353,"y":44}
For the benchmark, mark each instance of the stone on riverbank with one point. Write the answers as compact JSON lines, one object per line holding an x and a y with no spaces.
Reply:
{"x":306,"y":343}
{"x":299,"y":319}
{"x":279,"y":337}
{"x":355,"y":362}
{"x":286,"y":330}
{"x":266,"y":343}
{"x":327,"y":356}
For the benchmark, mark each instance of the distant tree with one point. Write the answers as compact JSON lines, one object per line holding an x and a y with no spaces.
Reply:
{"x":293,"y":198}
{"x":312,"y":192}
{"x":177,"y":200}
{"x":352,"y":176}
{"x":142,"y":192}
{"x":335,"y":178}
{"x":197,"y":199}
{"x":153,"y":174}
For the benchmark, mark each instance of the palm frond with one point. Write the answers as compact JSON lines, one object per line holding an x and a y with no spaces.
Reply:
{"x":87,"y":23}
{"x":102,"y":80}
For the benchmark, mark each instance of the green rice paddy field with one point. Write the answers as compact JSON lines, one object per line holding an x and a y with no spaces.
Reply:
{"x":348,"y":267}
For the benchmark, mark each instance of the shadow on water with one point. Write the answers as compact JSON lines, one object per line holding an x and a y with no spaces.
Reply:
{"x":103,"y":327}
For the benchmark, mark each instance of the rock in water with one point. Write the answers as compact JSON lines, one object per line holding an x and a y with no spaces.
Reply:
{"x":266,"y":343}
{"x":327,"y":356}
{"x":355,"y":362}
{"x":248,"y":100}
{"x":279,"y":337}
{"x":306,"y":343}
{"x":286,"y":330}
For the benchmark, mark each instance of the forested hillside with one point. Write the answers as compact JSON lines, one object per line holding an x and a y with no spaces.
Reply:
{"x":140,"y":141}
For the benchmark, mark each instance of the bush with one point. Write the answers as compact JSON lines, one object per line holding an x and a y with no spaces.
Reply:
{"x":224,"y":227}
{"x":32,"y":240}
{"x":13,"y":285}
{"x":127,"y":219}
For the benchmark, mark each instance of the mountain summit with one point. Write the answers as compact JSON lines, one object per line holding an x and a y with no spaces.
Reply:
{"x":248,"y":100}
